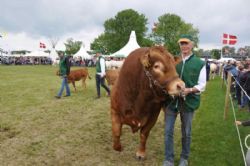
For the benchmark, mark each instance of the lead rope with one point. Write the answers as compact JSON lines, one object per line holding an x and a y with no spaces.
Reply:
{"x":182,"y":69}
{"x":183,"y":124}
{"x":152,"y":82}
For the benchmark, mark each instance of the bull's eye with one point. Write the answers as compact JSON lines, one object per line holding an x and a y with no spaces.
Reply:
{"x":156,"y":66}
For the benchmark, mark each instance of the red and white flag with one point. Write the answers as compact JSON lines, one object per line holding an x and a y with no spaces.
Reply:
{"x":42,"y":45}
{"x":229,"y":39}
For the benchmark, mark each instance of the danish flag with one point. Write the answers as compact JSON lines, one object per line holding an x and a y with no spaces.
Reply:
{"x":229,"y":39}
{"x":42,"y":45}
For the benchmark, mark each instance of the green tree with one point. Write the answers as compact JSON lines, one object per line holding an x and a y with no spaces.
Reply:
{"x":118,"y":29}
{"x":215,"y":53}
{"x":72,"y":46}
{"x":168,"y":29}
{"x":199,"y":52}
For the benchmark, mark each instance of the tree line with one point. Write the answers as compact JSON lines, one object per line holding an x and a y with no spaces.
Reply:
{"x":166,"y":32}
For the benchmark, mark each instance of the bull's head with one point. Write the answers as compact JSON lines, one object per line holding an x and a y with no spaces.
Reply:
{"x":161,"y":66}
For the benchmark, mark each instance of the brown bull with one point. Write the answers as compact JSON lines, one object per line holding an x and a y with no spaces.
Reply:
{"x":77,"y":75}
{"x":147,"y":75}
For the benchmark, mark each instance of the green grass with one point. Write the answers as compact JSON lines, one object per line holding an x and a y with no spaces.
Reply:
{"x":36,"y":129}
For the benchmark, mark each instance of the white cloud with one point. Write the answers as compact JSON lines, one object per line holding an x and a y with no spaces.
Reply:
{"x":27,"y":21}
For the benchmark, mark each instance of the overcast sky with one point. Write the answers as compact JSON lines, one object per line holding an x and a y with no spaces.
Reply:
{"x":24,"y":23}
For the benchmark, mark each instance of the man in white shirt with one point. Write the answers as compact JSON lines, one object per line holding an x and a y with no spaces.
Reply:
{"x":100,"y":75}
{"x":192,"y":71}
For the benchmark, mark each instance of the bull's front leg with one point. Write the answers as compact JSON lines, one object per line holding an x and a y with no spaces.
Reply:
{"x":144,"y":133}
{"x":141,"y":152}
{"x":116,"y":130}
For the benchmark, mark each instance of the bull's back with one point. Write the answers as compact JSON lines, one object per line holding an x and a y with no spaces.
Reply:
{"x":77,"y":75}
{"x":127,"y":85}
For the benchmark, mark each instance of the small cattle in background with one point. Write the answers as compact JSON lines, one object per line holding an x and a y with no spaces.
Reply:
{"x":77,"y":75}
{"x":213,"y":70}
{"x":111,"y":76}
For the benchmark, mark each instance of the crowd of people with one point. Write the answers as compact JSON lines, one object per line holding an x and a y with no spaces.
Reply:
{"x":23,"y":60}
{"x":241,"y":81}
{"x":241,"y":85}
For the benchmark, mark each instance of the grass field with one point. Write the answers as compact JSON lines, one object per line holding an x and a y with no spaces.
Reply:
{"x":37,"y":129}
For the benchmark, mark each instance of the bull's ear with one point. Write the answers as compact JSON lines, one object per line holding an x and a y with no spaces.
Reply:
{"x":145,"y":60}
{"x":177,"y":59}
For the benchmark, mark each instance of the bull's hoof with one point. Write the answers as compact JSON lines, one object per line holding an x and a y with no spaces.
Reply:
{"x":117,"y":148}
{"x":140,"y":156}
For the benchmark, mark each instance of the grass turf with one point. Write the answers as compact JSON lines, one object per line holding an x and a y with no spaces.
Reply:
{"x":37,"y":129}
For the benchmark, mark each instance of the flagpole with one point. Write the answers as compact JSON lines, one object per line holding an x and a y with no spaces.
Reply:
{"x":221,"y":55}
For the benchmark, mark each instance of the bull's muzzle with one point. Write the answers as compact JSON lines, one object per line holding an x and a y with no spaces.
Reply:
{"x":176,"y":87}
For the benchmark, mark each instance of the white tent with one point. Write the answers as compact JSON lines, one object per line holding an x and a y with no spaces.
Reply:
{"x":128,"y":48}
{"x":82,"y":53}
{"x":225,"y":59}
{"x":53,"y":55}
{"x":37,"y":54}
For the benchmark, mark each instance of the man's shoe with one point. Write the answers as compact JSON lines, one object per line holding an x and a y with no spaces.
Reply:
{"x":66,"y":96}
{"x":168,"y":163}
{"x":183,"y":162}
{"x":98,"y":97}
{"x":57,"y":97}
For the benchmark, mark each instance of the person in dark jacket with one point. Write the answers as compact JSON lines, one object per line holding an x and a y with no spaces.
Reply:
{"x":243,"y":123}
{"x":64,"y":70}
{"x":237,"y":86}
{"x":245,"y":83}
{"x":207,"y":69}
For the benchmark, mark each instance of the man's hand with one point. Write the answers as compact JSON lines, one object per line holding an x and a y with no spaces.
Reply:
{"x":238,"y":122}
{"x":186,"y":91}
{"x":103,"y":75}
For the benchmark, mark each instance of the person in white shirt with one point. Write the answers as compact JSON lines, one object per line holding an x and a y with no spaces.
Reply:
{"x":100,"y":75}
{"x":192,"y":71}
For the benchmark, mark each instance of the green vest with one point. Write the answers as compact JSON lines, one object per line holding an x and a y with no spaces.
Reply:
{"x":63,"y":67}
{"x":98,"y":65}
{"x":190,"y":75}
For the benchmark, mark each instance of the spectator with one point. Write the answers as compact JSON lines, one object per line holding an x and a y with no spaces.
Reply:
{"x":207,"y":69}
{"x":245,"y":83}
{"x":243,"y":123}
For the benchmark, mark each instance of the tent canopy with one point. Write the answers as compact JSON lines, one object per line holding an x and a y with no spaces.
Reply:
{"x":128,"y":48}
{"x":82,"y":53}
{"x":53,"y":55}
{"x":37,"y":54}
{"x":226,"y":59}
